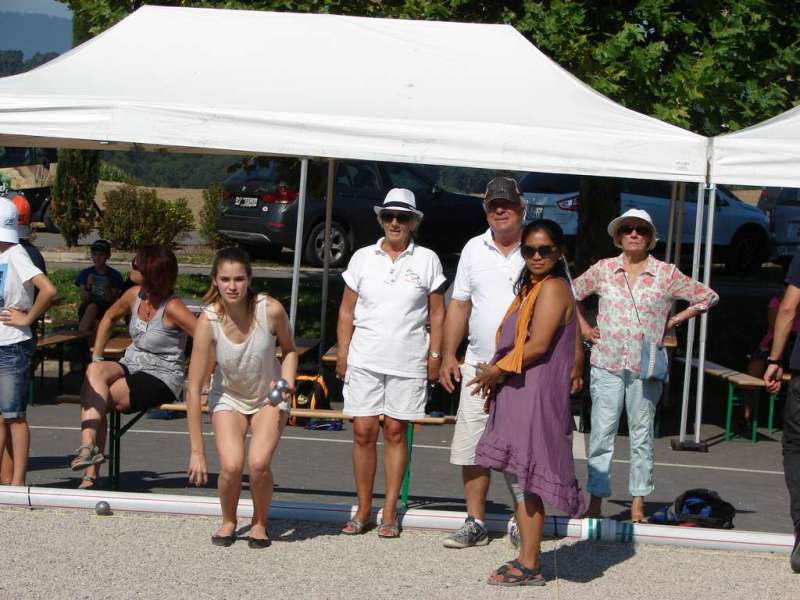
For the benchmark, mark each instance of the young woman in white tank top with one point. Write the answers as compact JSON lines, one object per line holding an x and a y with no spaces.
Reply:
{"x":239,"y":330}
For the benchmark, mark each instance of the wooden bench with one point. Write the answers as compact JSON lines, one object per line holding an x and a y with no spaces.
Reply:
{"x":57,"y":341}
{"x":737,"y":380}
{"x":116,"y":430}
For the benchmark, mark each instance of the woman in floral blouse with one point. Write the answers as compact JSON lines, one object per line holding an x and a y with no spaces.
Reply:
{"x":615,"y":381}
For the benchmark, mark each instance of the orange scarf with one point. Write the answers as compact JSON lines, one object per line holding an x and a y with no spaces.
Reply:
{"x":512,"y":362}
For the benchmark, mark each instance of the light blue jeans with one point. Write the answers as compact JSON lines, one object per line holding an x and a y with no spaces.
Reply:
{"x":609,"y":392}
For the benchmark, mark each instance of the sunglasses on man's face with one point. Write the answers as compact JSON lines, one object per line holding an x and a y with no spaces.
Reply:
{"x":401,"y":217}
{"x":530,"y":251}
{"x":642,"y":230}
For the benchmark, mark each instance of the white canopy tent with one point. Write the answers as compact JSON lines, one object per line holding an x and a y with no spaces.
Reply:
{"x":345,"y":87}
{"x":765,"y":154}
{"x":243,"y":82}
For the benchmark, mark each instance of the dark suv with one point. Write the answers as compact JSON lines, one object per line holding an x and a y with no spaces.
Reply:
{"x":259,"y":207}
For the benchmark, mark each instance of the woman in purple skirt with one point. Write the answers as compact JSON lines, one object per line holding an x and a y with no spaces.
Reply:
{"x":538,"y":363}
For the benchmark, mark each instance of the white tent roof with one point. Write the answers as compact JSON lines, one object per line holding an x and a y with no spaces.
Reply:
{"x":343,"y":87}
{"x":764,"y":154}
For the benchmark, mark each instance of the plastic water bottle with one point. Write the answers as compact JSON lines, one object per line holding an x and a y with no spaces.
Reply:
{"x":276,"y":395}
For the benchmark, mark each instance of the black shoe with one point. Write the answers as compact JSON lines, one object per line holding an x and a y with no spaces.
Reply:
{"x":259,"y":543}
{"x":223,"y":540}
{"x":794,"y":559}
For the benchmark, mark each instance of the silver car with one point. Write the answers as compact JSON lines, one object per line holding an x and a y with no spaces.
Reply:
{"x":741,"y":237}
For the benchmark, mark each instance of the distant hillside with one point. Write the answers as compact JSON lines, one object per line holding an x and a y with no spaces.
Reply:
{"x":34,"y":33}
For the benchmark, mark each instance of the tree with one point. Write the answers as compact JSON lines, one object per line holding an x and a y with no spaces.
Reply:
{"x":73,"y":208}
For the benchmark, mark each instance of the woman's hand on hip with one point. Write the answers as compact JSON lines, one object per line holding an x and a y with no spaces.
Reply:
{"x":198,"y":472}
{"x":591,"y":334}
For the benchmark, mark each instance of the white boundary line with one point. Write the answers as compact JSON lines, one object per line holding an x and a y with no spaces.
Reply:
{"x":426,"y":447}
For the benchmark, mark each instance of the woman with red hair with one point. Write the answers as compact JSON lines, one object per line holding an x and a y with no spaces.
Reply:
{"x":152,"y":371}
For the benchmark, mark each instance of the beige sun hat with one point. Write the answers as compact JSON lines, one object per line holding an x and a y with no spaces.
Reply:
{"x":633,"y":214}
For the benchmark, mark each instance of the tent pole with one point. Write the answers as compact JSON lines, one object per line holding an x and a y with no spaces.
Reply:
{"x":679,"y":224}
{"x":681,"y":443}
{"x":701,"y":351}
{"x":298,"y":242}
{"x":671,"y":228}
{"x":326,"y":255}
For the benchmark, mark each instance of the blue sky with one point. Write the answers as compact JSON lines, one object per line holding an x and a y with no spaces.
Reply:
{"x":45,"y":7}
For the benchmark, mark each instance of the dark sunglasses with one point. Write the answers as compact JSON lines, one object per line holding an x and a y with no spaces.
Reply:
{"x":642,"y":230}
{"x":543,"y":251}
{"x":401,"y":217}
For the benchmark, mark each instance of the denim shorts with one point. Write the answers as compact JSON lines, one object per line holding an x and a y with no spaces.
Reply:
{"x":15,"y":360}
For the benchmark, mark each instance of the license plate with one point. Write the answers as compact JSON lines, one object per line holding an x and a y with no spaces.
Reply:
{"x":534,"y":212}
{"x":245,"y":202}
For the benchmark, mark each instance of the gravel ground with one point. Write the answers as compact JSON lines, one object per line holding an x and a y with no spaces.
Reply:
{"x":76,"y":554}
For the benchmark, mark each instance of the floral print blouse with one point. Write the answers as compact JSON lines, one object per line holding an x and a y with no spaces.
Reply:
{"x":619,"y":347}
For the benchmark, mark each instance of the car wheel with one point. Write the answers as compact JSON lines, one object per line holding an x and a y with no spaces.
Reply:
{"x":746,"y":253}
{"x":341,"y":247}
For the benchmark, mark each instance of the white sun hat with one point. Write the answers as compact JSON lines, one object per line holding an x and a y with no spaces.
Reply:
{"x":633,"y":214}
{"x":399,"y":200}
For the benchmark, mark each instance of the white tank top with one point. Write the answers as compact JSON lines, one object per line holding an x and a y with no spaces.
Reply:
{"x":244,"y":371}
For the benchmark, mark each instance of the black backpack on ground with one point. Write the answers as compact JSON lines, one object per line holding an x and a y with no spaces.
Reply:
{"x":698,"y":507}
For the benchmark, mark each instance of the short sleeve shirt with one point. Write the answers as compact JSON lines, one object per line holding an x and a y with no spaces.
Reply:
{"x":111,"y":279}
{"x":485,"y":278}
{"x":392,"y":309}
{"x":793,"y":278}
{"x":16,"y":290}
{"x":625,"y":314}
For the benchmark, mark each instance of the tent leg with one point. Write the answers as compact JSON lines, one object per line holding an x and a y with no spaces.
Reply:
{"x":681,"y":443}
{"x":701,"y":351}
{"x":327,"y":255}
{"x":298,"y":242}
{"x":671,"y":227}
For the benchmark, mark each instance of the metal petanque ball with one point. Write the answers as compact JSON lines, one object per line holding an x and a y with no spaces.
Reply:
{"x":102,"y":508}
{"x":276,"y":395}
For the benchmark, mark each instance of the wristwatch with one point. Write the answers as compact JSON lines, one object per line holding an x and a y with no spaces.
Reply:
{"x":775,"y":361}
{"x":435,"y":355}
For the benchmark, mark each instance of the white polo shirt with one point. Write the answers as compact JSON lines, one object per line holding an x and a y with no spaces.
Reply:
{"x":392,"y":309}
{"x":486,"y":279}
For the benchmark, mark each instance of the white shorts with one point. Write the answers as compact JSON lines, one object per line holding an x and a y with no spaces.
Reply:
{"x":370,"y":394}
{"x":470,"y":422}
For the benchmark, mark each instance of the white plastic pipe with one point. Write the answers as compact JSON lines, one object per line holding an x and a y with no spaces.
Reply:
{"x":298,"y":242}
{"x":606,"y":530}
{"x":687,"y":372}
{"x":701,"y":350}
